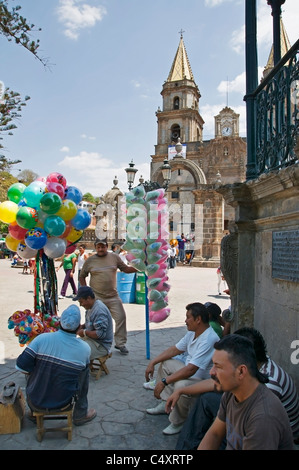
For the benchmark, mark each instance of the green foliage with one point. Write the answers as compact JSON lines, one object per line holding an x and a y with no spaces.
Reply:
{"x":6,"y":180}
{"x":15,"y":28}
{"x":89,"y":198}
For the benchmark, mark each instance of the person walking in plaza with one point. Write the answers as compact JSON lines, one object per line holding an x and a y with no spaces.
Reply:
{"x":181,"y":246}
{"x":57,"y":365}
{"x":250,"y":416}
{"x":102,"y":268}
{"x":97,"y":330}
{"x":81,"y":258}
{"x":182,"y":364}
{"x":205,"y":409}
{"x":69,"y":264}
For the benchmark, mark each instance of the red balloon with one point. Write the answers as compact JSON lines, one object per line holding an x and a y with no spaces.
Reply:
{"x":16,"y":231}
{"x":70,"y":248}
{"x":56,"y":178}
{"x":53,"y":187}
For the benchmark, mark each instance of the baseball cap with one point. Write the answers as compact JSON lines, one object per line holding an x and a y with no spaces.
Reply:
{"x":214,"y":309}
{"x":70,"y":318}
{"x":100,"y":240}
{"x":84,"y":291}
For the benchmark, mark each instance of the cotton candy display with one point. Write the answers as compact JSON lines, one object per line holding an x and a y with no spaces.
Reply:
{"x":146,"y":245}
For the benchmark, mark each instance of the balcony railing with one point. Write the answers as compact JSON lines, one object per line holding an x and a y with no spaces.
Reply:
{"x":276,"y":115}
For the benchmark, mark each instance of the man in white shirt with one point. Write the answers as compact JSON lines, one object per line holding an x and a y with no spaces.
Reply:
{"x":186,"y":362}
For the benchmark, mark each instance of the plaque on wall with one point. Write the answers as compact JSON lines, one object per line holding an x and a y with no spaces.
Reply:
{"x":285,"y":255}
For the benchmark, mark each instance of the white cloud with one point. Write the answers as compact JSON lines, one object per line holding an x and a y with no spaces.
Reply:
{"x":65,"y":149}
{"x":209,"y":112}
{"x":84,"y":136}
{"x":77,"y":16}
{"x":91,"y":172}
{"x":238,"y":85}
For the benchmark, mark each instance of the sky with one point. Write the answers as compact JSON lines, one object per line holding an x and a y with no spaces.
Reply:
{"x":92,"y":108}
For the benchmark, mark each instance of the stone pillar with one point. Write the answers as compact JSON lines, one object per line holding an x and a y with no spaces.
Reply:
{"x":211,"y":226}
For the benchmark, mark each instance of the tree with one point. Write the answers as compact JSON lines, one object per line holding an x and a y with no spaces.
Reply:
{"x":14,"y":27}
{"x":27,"y":176}
{"x":88,"y":197}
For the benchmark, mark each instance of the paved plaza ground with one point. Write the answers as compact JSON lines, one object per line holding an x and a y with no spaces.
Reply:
{"x":119,"y":398}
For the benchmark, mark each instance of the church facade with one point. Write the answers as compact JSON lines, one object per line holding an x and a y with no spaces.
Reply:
{"x":198,"y":166}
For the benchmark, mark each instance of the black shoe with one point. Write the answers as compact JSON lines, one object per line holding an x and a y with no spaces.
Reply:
{"x":122,"y":349}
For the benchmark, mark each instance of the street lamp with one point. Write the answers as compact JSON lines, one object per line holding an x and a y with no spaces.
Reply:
{"x":149,"y":185}
{"x":131,"y":171}
{"x":166,"y":172}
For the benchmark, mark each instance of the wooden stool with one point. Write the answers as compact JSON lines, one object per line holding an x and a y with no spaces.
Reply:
{"x":97,"y":366}
{"x":54,"y":414}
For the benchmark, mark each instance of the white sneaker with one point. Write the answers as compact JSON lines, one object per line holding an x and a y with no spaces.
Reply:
{"x":150,"y":385}
{"x":158,"y":410}
{"x":172,"y":429}
{"x":61,"y":296}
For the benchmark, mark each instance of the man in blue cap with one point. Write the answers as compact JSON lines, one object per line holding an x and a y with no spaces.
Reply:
{"x":57,"y":365}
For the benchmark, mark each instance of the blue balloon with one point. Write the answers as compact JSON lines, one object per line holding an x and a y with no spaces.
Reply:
{"x":36,"y":238}
{"x":33,"y":193}
{"x":81,"y":220}
{"x":54,"y":225}
{"x":73,"y":193}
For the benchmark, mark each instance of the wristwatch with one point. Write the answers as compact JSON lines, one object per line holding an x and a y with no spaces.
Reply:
{"x":84,"y":333}
{"x":164,"y":381}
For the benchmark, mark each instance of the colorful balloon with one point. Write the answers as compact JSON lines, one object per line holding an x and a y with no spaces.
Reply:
{"x":27,"y":217}
{"x":73,"y":193}
{"x":8,"y":211}
{"x":81,"y":220}
{"x":25,"y":252}
{"x":68,"y":210}
{"x":74,"y":235}
{"x":36,"y":238}
{"x":54,"y":225}
{"x":56,"y":178}
{"x":11,"y":243}
{"x":53,"y":187}
{"x":50,"y":203}
{"x":15,"y":192}
{"x":55,"y":247}
{"x":16,"y":231}
{"x":33,"y":193}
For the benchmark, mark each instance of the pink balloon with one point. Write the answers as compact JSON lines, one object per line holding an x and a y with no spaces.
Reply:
{"x":54,"y":187}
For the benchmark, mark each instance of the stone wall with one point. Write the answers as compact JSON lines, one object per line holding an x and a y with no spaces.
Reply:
{"x":262,"y":265}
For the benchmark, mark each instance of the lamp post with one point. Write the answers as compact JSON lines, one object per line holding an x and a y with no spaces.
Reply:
{"x":149,"y":185}
{"x":131,"y":172}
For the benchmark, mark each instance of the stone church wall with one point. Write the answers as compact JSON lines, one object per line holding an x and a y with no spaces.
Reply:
{"x":260,"y":261}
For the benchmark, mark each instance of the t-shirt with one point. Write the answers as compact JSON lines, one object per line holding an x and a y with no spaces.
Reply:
{"x":258,"y":423}
{"x":54,"y":361}
{"x":217,"y":328}
{"x":98,"y":318}
{"x":283,"y":386}
{"x":102,"y":270}
{"x":67,"y":261}
{"x":199,"y":351}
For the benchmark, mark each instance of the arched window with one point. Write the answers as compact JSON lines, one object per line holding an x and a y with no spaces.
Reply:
{"x":176,"y":103}
{"x":175,"y":132}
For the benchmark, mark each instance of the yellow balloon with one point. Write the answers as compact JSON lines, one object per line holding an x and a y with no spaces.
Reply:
{"x":12,"y":243}
{"x":74,"y":235}
{"x":8,"y":211}
{"x":67,"y":210}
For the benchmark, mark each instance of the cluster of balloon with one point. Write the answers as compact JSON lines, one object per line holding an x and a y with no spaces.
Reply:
{"x":146,"y":244}
{"x":44,"y":215}
{"x":28,"y":325}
